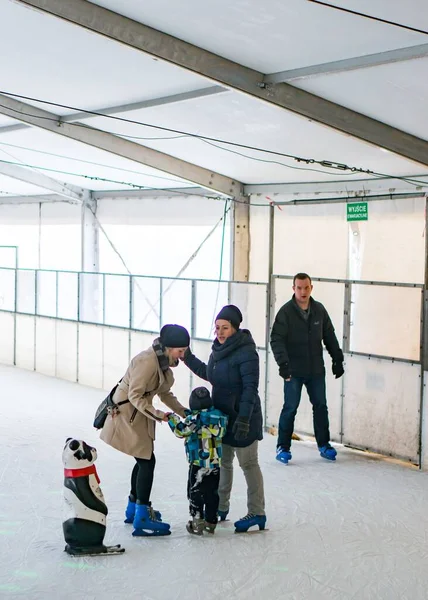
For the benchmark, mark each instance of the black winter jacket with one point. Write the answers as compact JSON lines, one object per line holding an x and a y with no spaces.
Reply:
{"x":299,"y":343}
{"x":233,"y":371}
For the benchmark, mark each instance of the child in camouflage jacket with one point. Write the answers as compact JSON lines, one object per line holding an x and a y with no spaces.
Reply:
{"x":202,"y":431}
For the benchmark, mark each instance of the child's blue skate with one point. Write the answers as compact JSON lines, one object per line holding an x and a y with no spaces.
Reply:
{"x":222,"y":514}
{"x":328,"y":452}
{"x":250,"y":520}
{"x":130,"y":512}
{"x":146,"y":524}
{"x":283,"y":455}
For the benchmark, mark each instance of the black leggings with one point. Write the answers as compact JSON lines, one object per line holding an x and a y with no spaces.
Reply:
{"x":142,"y":479}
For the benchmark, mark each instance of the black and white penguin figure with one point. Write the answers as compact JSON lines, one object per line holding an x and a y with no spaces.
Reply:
{"x":84,"y":524}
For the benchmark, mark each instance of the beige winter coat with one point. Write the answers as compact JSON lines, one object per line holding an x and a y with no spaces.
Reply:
{"x":132,"y":431}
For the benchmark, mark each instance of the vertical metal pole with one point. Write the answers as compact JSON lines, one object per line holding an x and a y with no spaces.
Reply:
{"x":82,"y":237}
{"x":241,"y":239}
{"x":78,"y":328}
{"x":346,"y":346}
{"x":193,"y":309}
{"x":35,"y":292}
{"x":104,"y":299}
{"x":423,"y":345}
{"x":15,"y":316}
{"x":160,"y":302}
{"x":78,"y":295}
{"x":36,"y":308}
{"x":39,"y":260}
{"x":270,"y":299}
{"x":193,"y":316}
{"x":56,"y":322}
{"x":423,"y":368}
{"x":56,"y":293}
{"x":131,"y":313}
{"x":131,"y":297}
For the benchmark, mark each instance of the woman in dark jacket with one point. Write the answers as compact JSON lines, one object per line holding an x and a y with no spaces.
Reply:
{"x":233,"y":370}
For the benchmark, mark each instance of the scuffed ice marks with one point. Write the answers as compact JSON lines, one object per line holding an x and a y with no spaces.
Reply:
{"x":353,"y":530}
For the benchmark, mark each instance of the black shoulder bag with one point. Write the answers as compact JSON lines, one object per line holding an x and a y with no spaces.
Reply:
{"x":107,"y":407}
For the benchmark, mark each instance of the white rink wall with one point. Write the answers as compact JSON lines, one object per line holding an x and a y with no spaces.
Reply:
{"x":377,"y":404}
{"x":86,"y":327}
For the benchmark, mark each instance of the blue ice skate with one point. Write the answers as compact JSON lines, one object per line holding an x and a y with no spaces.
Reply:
{"x":250,"y":520}
{"x":222,"y":514}
{"x":146,"y":523}
{"x":328,"y":452}
{"x":283,"y":455}
{"x":130,"y":512}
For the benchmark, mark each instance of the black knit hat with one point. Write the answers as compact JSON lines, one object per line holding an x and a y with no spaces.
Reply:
{"x":199,"y":399}
{"x":174,"y":336}
{"x":230,"y":313}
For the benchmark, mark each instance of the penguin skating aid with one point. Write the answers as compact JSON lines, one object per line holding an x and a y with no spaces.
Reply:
{"x":84,"y":525}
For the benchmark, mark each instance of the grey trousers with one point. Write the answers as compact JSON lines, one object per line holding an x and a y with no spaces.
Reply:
{"x":249,"y":463}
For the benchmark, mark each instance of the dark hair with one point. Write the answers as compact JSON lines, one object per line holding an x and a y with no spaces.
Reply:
{"x":301,"y":276}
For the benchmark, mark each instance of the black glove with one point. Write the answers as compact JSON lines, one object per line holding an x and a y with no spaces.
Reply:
{"x":337,"y":368}
{"x":187,"y":355}
{"x":284,"y":371}
{"x":240,"y":428}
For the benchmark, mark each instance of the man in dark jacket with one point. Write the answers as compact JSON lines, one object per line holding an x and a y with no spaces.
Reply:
{"x":300,"y":327}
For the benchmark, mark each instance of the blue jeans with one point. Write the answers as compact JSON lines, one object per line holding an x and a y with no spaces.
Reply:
{"x":315,"y":387}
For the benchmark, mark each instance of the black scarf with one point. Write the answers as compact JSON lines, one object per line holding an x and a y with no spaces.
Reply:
{"x":239,"y":339}
{"x":160,"y":353}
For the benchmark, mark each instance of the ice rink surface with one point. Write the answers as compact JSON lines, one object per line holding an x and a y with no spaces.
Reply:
{"x":351,"y":530}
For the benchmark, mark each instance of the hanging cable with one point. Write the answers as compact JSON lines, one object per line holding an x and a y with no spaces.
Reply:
{"x":90,"y":162}
{"x":96,"y":178}
{"x":359,"y":14}
{"x":220,"y":274}
{"x":188,"y":262}
{"x":177,"y":192}
{"x":122,"y":260}
{"x":183,"y":133}
{"x":326,"y":163}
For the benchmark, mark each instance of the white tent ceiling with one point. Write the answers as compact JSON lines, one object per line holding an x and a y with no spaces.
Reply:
{"x":56,"y":61}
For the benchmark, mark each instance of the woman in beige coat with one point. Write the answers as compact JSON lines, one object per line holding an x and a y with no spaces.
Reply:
{"x":131,"y":427}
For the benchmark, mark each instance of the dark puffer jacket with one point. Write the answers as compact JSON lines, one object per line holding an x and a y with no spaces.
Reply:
{"x":233,"y":371}
{"x":298,"y":343}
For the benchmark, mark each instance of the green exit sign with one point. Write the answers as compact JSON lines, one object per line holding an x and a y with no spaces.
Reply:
{"x":357,"y":211}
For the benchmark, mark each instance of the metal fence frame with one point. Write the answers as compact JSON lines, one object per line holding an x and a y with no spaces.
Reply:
{"x":102,"y":323}
{"x":270,"y":301}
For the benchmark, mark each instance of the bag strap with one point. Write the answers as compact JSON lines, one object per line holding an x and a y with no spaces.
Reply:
{"x":120,"y":403}
{"x":112,"y":394}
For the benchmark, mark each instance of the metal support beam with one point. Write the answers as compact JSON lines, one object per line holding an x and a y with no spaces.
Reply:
{"x":424,"y":311}
{"x":66,"y":190}
{"x":119,"y":146}
{"x":152,"y":193}
{"x":91,"y":292}
{"x":114,"y":110}
{"x":356,"y":187}
{"x":112,"y":194}
{"x":90,"y":236}
{"x":350,"y":64}
{"x":241,"y":239}
{"x":32,"y":199}
{"x":233,"y":75}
